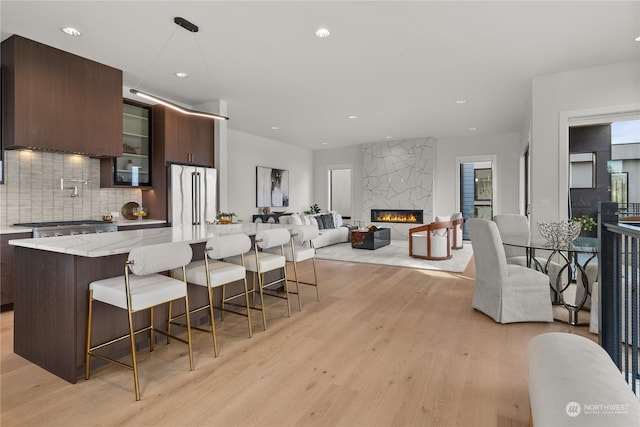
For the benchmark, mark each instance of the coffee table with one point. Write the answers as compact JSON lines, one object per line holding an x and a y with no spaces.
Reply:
{"x":370,"y":239}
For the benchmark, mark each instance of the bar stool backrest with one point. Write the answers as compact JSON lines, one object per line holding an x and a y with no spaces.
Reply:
{"x":304,"y":233}
{"x":266,"y":239}
{"x":156,"y":258}
{"x":228,"y":245}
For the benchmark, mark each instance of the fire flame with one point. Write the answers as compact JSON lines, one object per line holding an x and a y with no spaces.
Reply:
{"x":397,"y":218}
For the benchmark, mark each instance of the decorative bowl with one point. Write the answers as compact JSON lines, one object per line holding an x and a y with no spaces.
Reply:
{"x":559,"y":232}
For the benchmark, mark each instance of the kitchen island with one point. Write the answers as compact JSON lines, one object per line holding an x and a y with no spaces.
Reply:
{"x":52,"y":277}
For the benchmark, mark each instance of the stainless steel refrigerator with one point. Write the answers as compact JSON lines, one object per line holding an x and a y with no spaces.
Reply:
{"x":192,"y":195}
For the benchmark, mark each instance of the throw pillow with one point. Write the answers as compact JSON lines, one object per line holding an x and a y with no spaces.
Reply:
{"x":295,"y":219}
{"x":337,"y":219}
{"x":306,"y":220}
{"x":314,"y":221}
{"x":327,"y":221}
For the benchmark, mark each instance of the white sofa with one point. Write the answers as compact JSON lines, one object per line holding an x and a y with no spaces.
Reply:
{"x":327,"y":236}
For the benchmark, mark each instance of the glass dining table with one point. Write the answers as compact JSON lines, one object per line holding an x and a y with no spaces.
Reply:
{"x":572,"y":259}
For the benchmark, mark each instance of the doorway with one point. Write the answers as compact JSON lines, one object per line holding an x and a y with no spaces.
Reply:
{"x":476,"y":188}
{"x":340,"y":191}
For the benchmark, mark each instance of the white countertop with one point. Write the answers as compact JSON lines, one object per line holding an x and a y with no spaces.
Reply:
{"x":105,"y":244}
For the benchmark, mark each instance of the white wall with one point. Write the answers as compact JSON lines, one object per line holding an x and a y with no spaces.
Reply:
{"x":245,"y":152}
{"x":505,"y":148}
{"x":559,"y":95}
{"x":349,"y":157}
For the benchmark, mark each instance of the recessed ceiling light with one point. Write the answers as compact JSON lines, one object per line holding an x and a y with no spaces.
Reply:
{"x":461,"y":101}
{"x":182,"y":75}
{"x":352,"y":117}
{"x":473,"y":129}
{"x":325,"y":143}
{"x":637,"y":39}
{"x":275,"y":127}
{"x":70,"y":31}
{"x":323,"y":33}
{"x":388,"y":137}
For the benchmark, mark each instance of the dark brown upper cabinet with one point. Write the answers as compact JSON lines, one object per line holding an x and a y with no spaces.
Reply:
{"x":54,"y":100}
{"x":185,"y":139}
{"x":177,"y":138}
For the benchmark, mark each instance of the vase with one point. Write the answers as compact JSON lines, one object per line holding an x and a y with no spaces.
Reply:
{"x":225,"y":219}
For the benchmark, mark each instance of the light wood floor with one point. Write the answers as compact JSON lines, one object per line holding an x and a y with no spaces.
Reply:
{"x":384,"y":347}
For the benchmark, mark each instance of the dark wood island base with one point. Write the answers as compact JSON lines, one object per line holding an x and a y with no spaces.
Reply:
{"x":50,"y":309}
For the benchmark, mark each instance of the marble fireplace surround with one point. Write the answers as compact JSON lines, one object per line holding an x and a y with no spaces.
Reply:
{"x":398,"y":175}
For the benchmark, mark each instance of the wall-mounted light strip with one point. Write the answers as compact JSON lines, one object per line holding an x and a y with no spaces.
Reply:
{"x":176,"y":106}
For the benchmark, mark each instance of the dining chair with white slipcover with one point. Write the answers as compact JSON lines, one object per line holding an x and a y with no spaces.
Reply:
{"x":505,"y":292}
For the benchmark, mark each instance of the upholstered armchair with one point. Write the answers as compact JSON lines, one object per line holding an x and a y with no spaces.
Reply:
{"x":431,"y":241}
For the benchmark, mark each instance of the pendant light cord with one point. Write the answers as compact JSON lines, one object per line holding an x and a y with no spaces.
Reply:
{"x":206,"y":66}
{"x":156,"y":57}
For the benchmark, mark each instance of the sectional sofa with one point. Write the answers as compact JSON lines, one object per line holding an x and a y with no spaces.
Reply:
{"x":330,"y":226}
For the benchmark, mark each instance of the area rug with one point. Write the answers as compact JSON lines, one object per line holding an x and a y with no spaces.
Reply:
{"x":396,"y":254}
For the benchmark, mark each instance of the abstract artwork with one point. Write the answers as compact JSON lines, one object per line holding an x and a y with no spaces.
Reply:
{"x":272,"y":187}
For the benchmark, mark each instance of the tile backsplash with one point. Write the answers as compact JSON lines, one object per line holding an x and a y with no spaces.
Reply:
{"x":31,"y":190}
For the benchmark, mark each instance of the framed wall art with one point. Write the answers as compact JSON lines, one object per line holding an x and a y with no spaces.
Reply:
{"x":272,"y":187}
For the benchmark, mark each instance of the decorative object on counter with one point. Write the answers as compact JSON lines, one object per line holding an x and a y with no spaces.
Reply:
{"x":587,"y":223}
{"x":139,"y":213}
{"x":107,"y":218}
{"x":225,"y":217}
{"x":127,"y":210}
{"x":266,"y":210}
{"x":559,"y":232}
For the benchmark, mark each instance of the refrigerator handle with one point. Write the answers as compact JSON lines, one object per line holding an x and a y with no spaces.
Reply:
{"x":195,"y":198}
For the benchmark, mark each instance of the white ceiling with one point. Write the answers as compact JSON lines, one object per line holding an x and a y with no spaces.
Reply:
{"x":399,"y":66}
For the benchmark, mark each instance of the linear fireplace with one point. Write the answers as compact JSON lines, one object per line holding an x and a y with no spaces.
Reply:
{"x":411,"y":216}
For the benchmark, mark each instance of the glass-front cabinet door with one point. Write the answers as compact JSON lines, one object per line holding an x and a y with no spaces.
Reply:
{"x":134,"y":167}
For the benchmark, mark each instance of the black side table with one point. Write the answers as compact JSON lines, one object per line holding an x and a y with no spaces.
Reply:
{"x":275,"y":215}
{"x":370,"y":239}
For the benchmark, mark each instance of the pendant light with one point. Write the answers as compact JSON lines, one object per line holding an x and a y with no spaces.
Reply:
{"x":181,"y":22}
